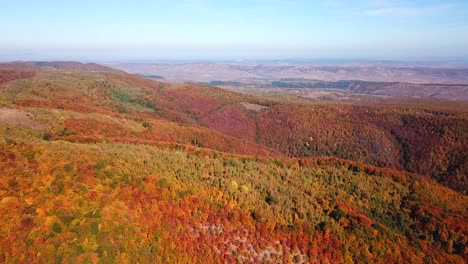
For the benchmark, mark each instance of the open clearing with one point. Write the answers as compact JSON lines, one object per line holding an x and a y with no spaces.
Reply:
{"x":254,"y":107}
{"x":18,"y":117}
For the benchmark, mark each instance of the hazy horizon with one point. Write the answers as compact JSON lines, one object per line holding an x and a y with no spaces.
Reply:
{"x":441,"y":64}
{"x":259,"y":29}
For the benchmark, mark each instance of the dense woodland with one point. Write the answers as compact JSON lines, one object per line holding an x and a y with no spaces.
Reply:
{"x":127,"y":169}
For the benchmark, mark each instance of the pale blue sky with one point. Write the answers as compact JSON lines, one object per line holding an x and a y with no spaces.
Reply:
{"x":207,"y":29}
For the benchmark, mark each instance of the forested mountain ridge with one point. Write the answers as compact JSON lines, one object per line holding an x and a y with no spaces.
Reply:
{"x":111,"y":167}
{"x":416,"y":138}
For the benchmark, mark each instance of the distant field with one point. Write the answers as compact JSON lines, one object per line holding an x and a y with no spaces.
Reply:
{"x":441,"y":83}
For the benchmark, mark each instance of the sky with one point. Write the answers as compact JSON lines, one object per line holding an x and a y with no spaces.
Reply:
{"x":105,"y":30}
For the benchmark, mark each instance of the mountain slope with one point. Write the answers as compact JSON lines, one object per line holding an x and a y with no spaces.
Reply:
{"x":420,"y":139}
{"x":110,"y":167}
{"x":390,"y":136}
{"x":121,"y":202}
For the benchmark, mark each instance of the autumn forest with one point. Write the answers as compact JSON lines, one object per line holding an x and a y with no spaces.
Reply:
{"x":101,"y":166}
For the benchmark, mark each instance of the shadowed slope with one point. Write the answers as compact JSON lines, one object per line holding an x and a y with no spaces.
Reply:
{"x":412,"y":137}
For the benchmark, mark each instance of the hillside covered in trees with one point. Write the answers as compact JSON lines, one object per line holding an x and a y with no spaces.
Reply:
{"x":101,"y":166}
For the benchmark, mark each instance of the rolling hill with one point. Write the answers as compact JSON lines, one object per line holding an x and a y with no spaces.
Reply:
{"x":103,"y":166}
{"x":63,"y":65}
